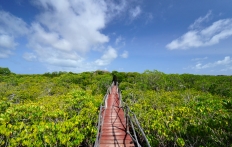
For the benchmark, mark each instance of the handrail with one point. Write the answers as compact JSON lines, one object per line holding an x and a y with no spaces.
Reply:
{"x":136,"y":122}
{"x":132,"y":126}
{"x":105,"y":100}
{"x":99,"y":125}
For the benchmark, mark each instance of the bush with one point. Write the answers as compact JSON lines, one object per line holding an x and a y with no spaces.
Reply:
{"x":4,"y":71}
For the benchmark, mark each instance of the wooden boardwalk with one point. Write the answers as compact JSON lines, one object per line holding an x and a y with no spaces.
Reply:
{"x":113,"y":130}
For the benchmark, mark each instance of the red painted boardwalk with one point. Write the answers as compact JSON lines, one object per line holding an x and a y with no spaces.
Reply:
{"x":113,"y":130}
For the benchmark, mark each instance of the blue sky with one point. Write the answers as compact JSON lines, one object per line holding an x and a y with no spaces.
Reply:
{"x":125,"y":35}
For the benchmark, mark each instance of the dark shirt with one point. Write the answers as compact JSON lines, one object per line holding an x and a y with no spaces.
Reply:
{"x":115,"y":79}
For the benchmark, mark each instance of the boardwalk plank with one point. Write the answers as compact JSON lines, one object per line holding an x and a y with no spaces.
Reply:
{"x":113,"y":130}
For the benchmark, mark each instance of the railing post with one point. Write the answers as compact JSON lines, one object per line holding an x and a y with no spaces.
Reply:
{"x":120,"y":98}
{"x":106,"y":98}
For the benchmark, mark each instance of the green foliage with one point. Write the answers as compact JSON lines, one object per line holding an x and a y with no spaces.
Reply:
{"x":195,"y":117}
{"x":180,"y":142}
{"x":51,"y":120}
{"x":181,"y":110}
{"x":61,"y":109}
{"x":44,"y":110}
{"x":4,"y":71}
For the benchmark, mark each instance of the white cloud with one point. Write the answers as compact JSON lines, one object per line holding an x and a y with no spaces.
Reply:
{"x":118,"y":40}
{"x":135,"y":12}
{"x":64,"y":62}
{"x":211,"y":35}
{"x":200,"y":20}
{"x":11,"y":27}
{"x":124,"y":54}
{"x":107,"y":57}
{"x":190,"y":39}
{"x":4,"y":53}
{"x":7,"y":42}
{"x":48,"y":39}
{"x":115,"y":8}
{"x":71,"y":25}
{"x":149,"y":17}
{"x":55,"y":57}
{"x":199,"y":59}
{"x":64,"y":32}
{"x":29,"y":56}
{"x":226,"y":62}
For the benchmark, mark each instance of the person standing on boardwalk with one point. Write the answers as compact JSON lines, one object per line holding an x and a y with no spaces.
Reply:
{"x":115,"y":80}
